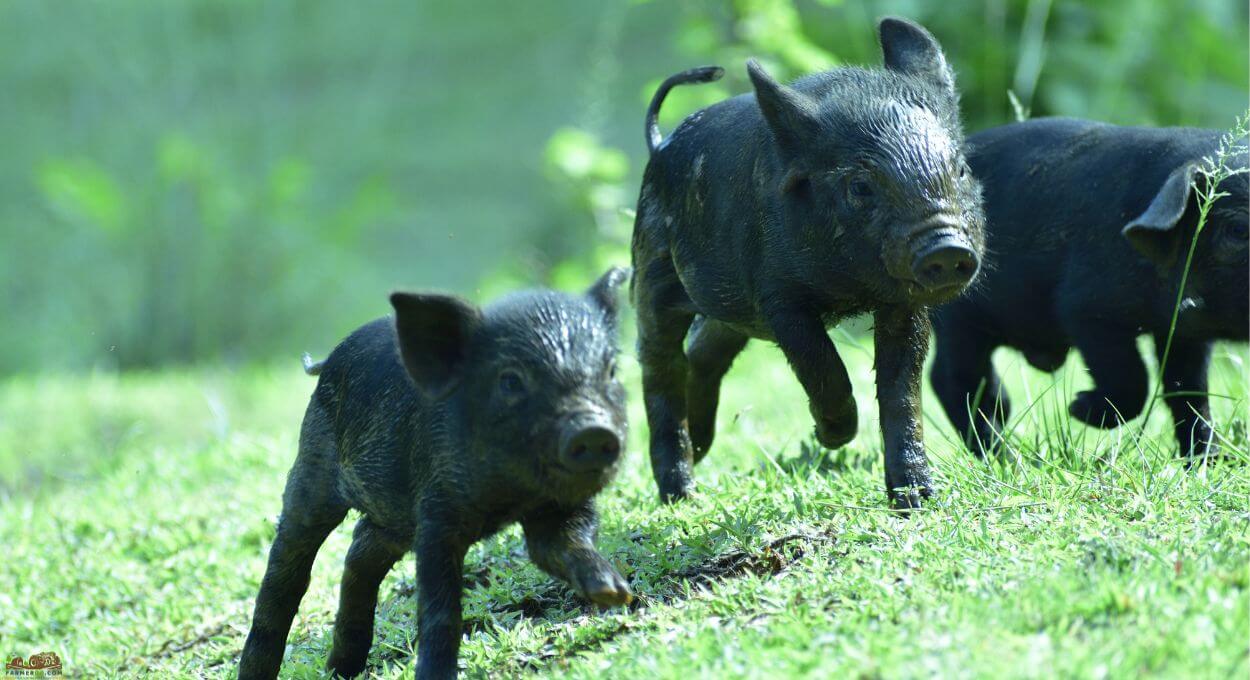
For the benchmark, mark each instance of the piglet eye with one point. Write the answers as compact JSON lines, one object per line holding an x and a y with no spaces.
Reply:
{"x":861,"y":189}
{"x":612,"y":371}
{"x":511,"y":384}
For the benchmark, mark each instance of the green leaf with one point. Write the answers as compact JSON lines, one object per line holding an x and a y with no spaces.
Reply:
{"x":82,"y":190}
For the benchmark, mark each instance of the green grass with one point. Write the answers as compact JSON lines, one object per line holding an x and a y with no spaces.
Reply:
{"x":136,"y":512}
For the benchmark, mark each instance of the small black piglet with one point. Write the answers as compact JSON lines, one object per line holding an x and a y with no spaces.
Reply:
{"x":776,"y":215}
{"x":441,"y":427}
{"x":1088,"y":229}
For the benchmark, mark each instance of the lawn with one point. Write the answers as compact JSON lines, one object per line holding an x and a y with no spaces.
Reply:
{"x":136,"y":512}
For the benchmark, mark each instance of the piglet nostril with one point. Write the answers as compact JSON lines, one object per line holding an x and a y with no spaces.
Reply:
{"x":945,"y":264}
{"x":590,"y":448}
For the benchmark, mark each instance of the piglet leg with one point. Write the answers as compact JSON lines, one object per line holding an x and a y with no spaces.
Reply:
{"x":1120,"y":384}
{"x":440,"y":581}
{"x":1185,"y":391}
{"x":902,"y":340}
{"x":368,"y":560}
{"x":803,"y":339}
{"x":563,"y":545}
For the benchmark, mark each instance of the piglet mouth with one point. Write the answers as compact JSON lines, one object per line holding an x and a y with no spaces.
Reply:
{"x":561,"y":470}
{"x":565,"y":485}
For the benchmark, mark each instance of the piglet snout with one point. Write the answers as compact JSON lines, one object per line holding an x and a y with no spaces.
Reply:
{"x":587,"y":446}
{"x":945,"y":263}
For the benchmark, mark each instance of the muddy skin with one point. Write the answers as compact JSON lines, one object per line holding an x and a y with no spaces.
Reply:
{"x":441,"y":427}
{"x":1088,"y":228}
{"x":775,"y":215}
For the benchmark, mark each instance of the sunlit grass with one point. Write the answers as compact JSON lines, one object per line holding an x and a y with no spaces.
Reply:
{"x":138,"y":511}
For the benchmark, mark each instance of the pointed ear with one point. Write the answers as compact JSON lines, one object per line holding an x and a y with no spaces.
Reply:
{"x":605,"y":293}
{"x":433,"y":334}
{"x":791,"y":115}
{"x":1154,"y":233}
{"x":909,"y":48}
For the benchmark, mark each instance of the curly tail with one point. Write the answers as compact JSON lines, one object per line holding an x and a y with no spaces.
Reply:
{"x":312,"y":367}
{"x":703,"y":74}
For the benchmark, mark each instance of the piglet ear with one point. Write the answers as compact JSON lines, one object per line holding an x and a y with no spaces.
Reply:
{"x":909,"y":48}
{"x":1154,"y":233}
{"x":605,"y":293}
{"x":791,"y":115}
{"x":433,"y":334}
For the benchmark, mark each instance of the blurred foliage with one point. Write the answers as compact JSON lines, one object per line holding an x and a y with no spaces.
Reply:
{"x":206,"y":180}
{"x":590,"y":182}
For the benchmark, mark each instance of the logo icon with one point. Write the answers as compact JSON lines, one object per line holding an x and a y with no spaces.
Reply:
{"x":45,"y":665}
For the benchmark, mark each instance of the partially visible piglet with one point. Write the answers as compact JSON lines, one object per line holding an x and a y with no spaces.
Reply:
{"x":1089,"y":226}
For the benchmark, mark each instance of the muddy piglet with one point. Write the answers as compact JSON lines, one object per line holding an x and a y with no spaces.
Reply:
{"x":777,"y":214}
{"x":441,"y":427}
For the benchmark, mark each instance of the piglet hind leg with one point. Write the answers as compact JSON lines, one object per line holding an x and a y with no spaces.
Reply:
{"x":1185,"y":392}
{"x":901,"y":340}
{"x":370,"y":557}
{"x":711,"y":351}
{"x":310,"y":511}
{"x":969,"y":389}
{"x":663,"y":319}
{"x":562,"y":543}
{"x":1120,"y":383}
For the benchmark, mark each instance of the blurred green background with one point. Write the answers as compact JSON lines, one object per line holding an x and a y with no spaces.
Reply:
{"x":207,"y":181}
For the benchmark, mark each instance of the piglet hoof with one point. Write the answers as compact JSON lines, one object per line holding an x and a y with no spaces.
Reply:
{"x":1196,"y":461}
{"x":1093,"y":409}
{"x":834,"y":435}
{"x":603,"y":585}
{"x":1212,"y":455}
{"x":670,"y":497}
{"x":909,"y":498}
{"x":909,"y":491}
{"x":344,"y":667}
{"x":675,"y":485}
{"x":838,"y":429}
{"x":979,"y":448}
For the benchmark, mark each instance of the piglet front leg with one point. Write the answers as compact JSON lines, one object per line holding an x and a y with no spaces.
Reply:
{"x":902,"y":339}
{"x":440,"y":582}
{"x":802,"y":337}
{"x":562,"y":543}
{"x":1185,"y":391}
